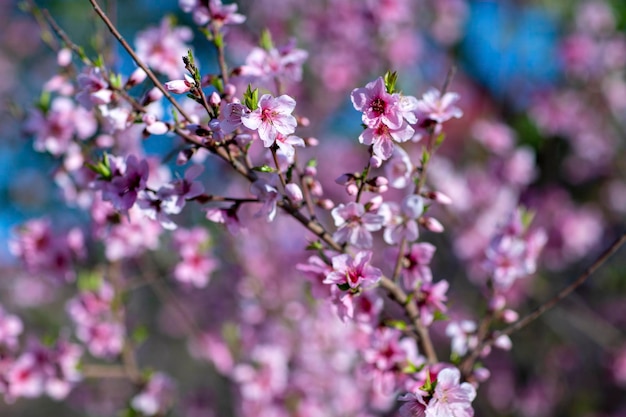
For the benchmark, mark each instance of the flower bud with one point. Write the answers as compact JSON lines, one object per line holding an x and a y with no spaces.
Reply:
{"x":214,"y":99}
{"x":510,"y":316}
{"x":294,"y":192}
{"x":497,"y":303}
{"x":310,"y":171}
{"x":230,"y":90}
{"x":311,"y":142}
{"x":326,"y":204}
{"x":503,"y":342}
{"x":137,"y":77}
{"x":304,"y":121}
{"x":379,"y":181}
{"x":178,"y":86}
{"x":153,"y":95}
{"x":375,"y":161}
{"x":352,"y":189}
{"x":375,"y":203}
{"x":438,"y":197}
{"x":432,"y":224}
{"x":64,"y":57}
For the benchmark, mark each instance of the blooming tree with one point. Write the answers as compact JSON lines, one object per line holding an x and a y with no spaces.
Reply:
{"x":298,"y":267}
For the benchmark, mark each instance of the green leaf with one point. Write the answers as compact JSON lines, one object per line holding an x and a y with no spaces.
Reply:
{"x":312,"y":163}
{"x":218,"y":40}
{"x":140,"y":334}
{"x":90,"y":281}
{"x":316,"y":245}
{"x":390,"y":79}
{"x":396,"y":324}
{"x":440,"y":138}
{"x":266,"y":40}
{"x":251,"y":98}
{"x":264,"y":168}
{"x":439,"y":316}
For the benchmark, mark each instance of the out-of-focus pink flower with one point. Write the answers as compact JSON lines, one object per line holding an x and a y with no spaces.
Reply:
{"x":463,"y":335}
{"x":399,"y":169}
{"x":205,"y":12}
{"x":156,"y":397}
{"x":438,"y":108}
{"x":10,"y":328}
{"x":162,"y":48}
{"x":354,"y":224}
{"x":432,"y":298}
{"x":284,"y":63}
{"x":418,"y":271}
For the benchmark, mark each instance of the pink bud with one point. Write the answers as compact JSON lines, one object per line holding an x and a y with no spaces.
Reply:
{"x":382,"y":189}
{"x":137,"y":77}
{"x":432,"y":224}
{"x":304,"y":121}
{"x":310,"y":171}
{"x":510,"y":316}
{"x":178,"y":86}
{"x":214,"y":99}
{"x":154,"y":95}
{"x":64,"y":57}
{"x":230,"y":90}
{"x":311,"y":142}
{"x":381,"y":181}
{"x":375,"y":161}
{"x":294,"y":192}
{"x":497,"y":303}
{"x":503,"y":342}
{"x":375,"y":203}
{"x":326,"y":204}
{"x":439,"y":197}
{"x":482,"y":374}
{"x":157,"y":128}
{"x":352,"y":189}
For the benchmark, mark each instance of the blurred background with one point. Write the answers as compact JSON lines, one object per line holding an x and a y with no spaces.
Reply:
{"x":543,"y":91}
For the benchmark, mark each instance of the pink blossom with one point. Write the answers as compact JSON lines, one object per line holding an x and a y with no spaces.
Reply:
{"x":354,"y":271}
{"x":94,"y":89}
{"x":104,"y":339}
{"x":156,"y":397}
{"x":432,"y":298}
{"x":284,"y":63}
{"x":271,"y":118}
{"x":129,"y":177}
{"x":205,"y":12}
{"x":316,"y":270}
{"x":382,"y":137}
{"x":287,"y":144}
{"x":451,"y":398}
{"x":399,"y":169}
{"x":418,"y":271}
{"x":267,"y":194}
{"x":354,"y":224}
{"x":439,"y":109}
{"x":463,"y":336}
{"x":400,"y":222}
{"x":162,"y":48}
{"x":230,"y":116}
{"x":378,"y":106}
{"x":226,"y":216}
{"x":196,"y":264}
{"x":10,"y":328}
